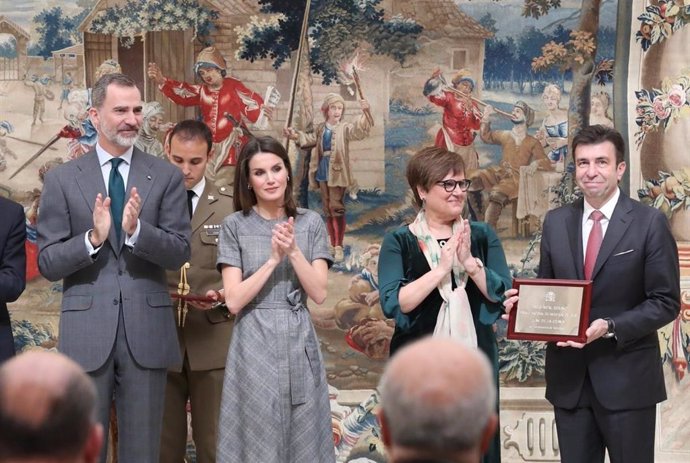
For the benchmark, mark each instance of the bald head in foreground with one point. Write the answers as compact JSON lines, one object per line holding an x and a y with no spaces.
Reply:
{"x":47,"y":411}
{"x":437,"y":403}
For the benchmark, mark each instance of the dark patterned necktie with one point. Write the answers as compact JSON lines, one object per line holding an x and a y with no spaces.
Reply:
{"x":190,"y":206}
{"x":596,"y":236}
{"x":116,"y":191}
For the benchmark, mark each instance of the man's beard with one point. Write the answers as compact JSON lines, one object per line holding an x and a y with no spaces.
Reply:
{"x":120,"y":140}
{"x":517,"y":121}
{"x":123,"y":141}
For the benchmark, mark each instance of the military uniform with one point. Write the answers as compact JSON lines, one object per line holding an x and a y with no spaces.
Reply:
{"x":204,"y":337}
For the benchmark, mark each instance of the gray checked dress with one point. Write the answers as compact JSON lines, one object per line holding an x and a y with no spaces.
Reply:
{"x":275,"y":406}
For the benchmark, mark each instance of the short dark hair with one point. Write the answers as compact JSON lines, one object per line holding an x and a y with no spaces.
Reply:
{"x":191,"y":129}
{"x":244,"y":197}
{"x":100,"y":88}
{"x":429,"y":165}
{"x":64,"y":431}
{"x":595,"y":134}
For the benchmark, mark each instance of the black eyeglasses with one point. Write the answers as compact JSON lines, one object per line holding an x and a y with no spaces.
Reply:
{"x":449,"y":185}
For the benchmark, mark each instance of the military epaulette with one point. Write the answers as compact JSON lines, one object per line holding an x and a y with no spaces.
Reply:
{"x":225,"y":191}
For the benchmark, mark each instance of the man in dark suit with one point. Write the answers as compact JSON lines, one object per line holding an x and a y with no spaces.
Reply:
{"x":111,"y":223}
{"x":605,"y":391}
{"x":12,"y":268}
{"x":203,"y":332}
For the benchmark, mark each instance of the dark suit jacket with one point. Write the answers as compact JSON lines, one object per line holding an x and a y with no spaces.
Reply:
{"x":636,"y":283}
{"x":12,"y":267}
{"x":206,"y":333}
{"x":92,"y":286}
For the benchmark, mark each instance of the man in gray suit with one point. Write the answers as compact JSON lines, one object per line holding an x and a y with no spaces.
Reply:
{"x":111,"y":246}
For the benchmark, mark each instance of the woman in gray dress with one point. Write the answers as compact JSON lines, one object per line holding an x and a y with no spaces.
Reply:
{"x":272,"y":256}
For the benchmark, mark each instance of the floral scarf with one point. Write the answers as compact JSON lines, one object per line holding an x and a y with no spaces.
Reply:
{"x":455,"y":316}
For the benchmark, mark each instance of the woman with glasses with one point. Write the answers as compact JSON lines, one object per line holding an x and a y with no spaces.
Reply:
{"x":442,"y":274}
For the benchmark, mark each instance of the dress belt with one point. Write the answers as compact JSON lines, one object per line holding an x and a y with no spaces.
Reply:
{"x":294,"y":342}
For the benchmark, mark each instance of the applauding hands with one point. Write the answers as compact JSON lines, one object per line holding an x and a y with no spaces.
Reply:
{"x":283,"y":240}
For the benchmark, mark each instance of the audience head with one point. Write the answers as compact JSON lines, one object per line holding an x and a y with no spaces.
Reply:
{"x":47,"y":411}
{"x":438,"y":401}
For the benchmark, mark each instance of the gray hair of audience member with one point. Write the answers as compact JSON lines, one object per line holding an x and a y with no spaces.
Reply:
{"x":100,"y":88}
{"x":47,"y":407}
{"x":438,"y":396}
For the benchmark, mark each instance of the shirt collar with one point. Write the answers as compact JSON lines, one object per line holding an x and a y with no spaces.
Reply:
{"x":606,"y":209}
{"x":198,"y":189}
{"x":105,"y":157}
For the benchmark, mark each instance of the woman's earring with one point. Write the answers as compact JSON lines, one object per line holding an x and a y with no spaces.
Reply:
{"x":423,"y":203}
{"x":249,"y":187}
{"x":288,"y":178}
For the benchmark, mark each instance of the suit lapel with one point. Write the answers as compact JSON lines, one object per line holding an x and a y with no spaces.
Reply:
{"x":573,"y":224}
{"x":204,"y":208}
{"x":90,"y":179}
{"x":140,"y":176}
{"x":90,"y":182}
{"x":618,"y":225}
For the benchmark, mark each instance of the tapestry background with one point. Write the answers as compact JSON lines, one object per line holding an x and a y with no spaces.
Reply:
{"x":629,"y":57}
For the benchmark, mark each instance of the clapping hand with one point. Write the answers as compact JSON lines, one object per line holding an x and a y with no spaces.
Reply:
{"x":464,"y":250}
{"x":130,"y":215}
{"x":449,"y":252}
{"x":101,"y":220}
{"x":284,"y":237}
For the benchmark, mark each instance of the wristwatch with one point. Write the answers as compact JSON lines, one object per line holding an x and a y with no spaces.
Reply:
{"x":611,"y":331}
{"x":480,"y":266}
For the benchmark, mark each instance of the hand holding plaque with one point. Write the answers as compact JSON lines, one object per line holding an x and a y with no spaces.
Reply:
{"x":550,"y":310}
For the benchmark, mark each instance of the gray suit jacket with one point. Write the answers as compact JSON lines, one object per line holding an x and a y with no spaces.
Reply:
{"x":93,"y":286}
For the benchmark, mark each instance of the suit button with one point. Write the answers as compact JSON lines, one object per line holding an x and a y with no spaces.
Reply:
{"x":119,"y":272}
{"x":115,"y":302}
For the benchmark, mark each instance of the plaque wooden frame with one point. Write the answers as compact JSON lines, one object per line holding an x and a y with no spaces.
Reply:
{"x":534,"y":335}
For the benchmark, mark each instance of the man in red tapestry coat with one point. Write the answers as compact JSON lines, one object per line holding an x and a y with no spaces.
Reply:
{"x":225,"y":104}
{"x":461,"y":116}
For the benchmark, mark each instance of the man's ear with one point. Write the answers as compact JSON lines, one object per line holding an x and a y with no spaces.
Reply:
{"x":211,"y":153}
{"x":489,"y":431}
{"x":92,"y":448}
{"x":385,"y":432}
{"x":93,"y":116}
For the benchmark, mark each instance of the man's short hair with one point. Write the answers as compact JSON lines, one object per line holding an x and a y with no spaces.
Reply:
{"x":63,"y":432}
{"x":98,"y":92}
{"x":595,"y":134}
{"x":423,"y":411}
{"x":191,"y":129}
